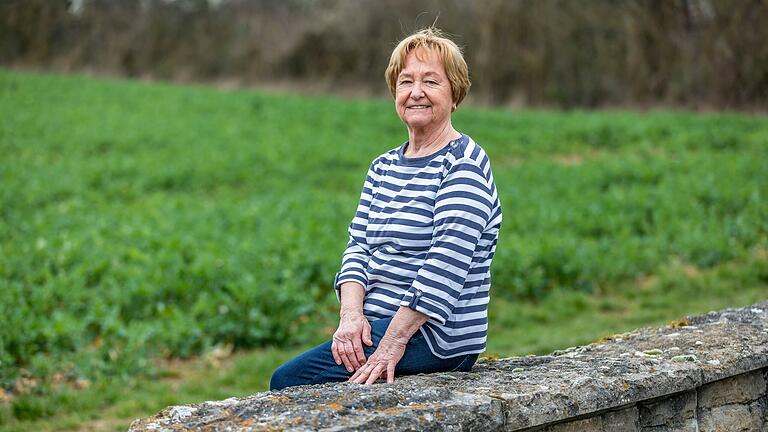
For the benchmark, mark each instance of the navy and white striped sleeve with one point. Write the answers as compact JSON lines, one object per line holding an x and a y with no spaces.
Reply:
{"x":463,"y":208}
{"x":354,"y":260}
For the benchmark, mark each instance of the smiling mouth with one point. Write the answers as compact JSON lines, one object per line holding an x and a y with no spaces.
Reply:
{"x":419,"y":107}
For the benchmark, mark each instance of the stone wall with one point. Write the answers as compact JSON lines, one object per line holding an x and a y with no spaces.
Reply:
{"x":739,"y":403}
{"x":705,"y":373}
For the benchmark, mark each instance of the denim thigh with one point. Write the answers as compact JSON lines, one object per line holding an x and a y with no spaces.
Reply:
{"x":317,"y":365}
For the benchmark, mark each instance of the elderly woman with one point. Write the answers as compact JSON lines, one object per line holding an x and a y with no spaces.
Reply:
{"x":415,"y":276}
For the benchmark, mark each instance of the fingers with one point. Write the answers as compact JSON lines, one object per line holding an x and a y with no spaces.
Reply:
{"x":369,"y":373}
{"x":335,"y":353}
{"x":376,"y":373}
{"x":359,"y":353}
{"x":357,"y":374}
{"x":367,"y":334}
{"x":352,"y":355}
{"x":362,"y":374}
{"x":390,"y":373}
{"x":339,"y":351}
{"x":346,"y":346}
{"x":347,"y":355}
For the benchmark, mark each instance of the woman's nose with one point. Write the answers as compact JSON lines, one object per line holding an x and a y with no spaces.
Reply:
{"x":416,"y":91}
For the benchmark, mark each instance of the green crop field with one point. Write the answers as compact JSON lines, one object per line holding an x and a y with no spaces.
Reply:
{"x":145,"y":223}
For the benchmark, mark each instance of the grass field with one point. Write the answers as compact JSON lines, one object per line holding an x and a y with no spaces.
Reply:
{"x":141,"y":224}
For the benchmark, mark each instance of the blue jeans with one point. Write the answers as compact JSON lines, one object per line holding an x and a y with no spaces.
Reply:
{"x":317,"y":366}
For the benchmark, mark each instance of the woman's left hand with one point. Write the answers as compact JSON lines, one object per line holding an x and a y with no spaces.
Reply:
{"x":382,"y":362}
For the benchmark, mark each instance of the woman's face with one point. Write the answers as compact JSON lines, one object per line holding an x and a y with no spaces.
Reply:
{"x":423,"y":93}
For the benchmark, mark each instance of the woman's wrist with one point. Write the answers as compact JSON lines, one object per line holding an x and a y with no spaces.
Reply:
{"x":351,"y":312}
{"x":352,"y":296}
{"x":394,"y":339}
{"x":405,"y":323}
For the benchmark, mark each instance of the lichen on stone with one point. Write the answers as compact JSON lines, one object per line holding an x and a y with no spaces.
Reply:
{"x":684,"y":358}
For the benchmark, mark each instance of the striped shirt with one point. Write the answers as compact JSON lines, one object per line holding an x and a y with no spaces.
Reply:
{"x":423,"y":236}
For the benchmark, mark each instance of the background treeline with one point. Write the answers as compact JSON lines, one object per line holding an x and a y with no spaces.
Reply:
{"x":687,"y":53}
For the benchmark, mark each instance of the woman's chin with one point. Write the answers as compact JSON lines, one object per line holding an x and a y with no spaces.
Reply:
{"x":419,"y":122}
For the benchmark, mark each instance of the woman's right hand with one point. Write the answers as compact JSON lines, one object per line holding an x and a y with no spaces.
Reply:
{"x":347,"y":345}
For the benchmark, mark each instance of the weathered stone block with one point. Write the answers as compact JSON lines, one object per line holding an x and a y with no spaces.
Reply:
{"x":732,"y":418}
{"x":594,"y":424}
{"x":743,"y":388}
{"x":626,"y":420}
{"x":689,"y":425}
{"x":673,"y":411}
{"x":765,"y":375}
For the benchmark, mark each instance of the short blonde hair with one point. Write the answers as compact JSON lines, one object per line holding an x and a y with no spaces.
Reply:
{"x":434,"y":42}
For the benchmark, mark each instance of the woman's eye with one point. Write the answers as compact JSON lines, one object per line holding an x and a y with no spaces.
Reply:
{"x":405,"y":82}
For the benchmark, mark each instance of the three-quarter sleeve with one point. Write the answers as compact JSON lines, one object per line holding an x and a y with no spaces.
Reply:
{"x":354,"y":260}
{"x":463,"y":208}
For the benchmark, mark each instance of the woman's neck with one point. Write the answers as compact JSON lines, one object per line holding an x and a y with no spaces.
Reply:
{"x":424,"y":142}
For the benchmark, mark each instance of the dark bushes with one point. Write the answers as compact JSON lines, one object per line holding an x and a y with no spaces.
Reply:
{"x":691,"y":53}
